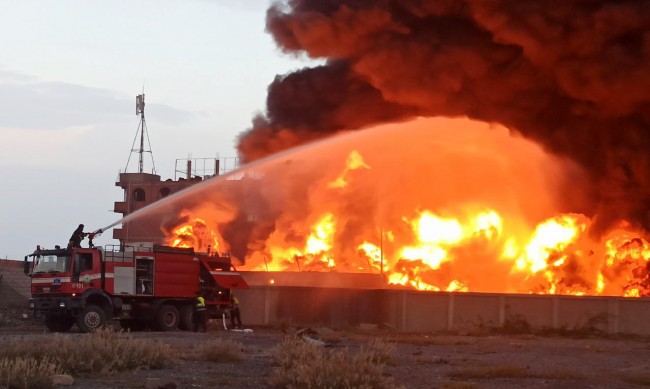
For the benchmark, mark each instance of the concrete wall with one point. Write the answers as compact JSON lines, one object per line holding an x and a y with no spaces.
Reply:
{"x":435,"y":312}
{"x":326,"y":306}
{"x":14,"y":285}
{"x":409,"y":310}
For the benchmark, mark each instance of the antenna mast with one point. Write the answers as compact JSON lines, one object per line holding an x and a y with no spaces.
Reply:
{"x":142,"y":130}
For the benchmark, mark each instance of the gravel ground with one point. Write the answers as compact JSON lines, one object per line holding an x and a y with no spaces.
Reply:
{"x":419,"y":361}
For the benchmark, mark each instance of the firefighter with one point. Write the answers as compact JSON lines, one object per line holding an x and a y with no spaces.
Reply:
{"x":235,"y":315}
{"x":77,"y":236}
{"x":200,"y":313}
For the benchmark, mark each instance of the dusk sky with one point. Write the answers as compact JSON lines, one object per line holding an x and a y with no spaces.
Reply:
{"x":69,"y":74}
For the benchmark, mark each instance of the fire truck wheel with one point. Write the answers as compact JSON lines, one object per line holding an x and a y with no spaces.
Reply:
{"x":59,"y":323}
{"x":92,"y":318}
{"x":167,"y":318}
{"x":187,"y":311}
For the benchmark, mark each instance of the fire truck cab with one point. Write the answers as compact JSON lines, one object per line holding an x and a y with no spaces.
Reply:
{"x":140,"y":286}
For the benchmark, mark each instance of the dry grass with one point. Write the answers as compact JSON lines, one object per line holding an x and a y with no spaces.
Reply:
{"x":222,"y":350}
{"x":99,"y":353}
{"x":456,"y":385}
{"x":434,"y":360}
{"x":640,"y":378}
{"x":27,"y":373}
{"x":491,"y":372}
{"x":511,"y":371}
{"x":429,"y":340}
{"x":302,"y":365}
{"x":417,"y":339}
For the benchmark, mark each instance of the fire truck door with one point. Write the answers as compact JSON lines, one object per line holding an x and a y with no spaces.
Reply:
{"x":86,"y":272}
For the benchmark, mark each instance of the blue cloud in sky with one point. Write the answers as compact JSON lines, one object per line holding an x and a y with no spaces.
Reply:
{"x":30,"y":103}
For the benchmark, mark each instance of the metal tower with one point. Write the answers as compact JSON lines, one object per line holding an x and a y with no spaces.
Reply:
{"x":142,"y":131}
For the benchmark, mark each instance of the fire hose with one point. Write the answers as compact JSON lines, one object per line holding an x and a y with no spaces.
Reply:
{"x":101,"y":230}
{"x":92,"y":235}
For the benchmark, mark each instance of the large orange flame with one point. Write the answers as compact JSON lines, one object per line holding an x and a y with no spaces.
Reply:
{"x":464,"y":231}
{"x":196,"y":234}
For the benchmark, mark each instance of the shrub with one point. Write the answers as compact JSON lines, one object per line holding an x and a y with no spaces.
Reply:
{"x":98,"y":353}
{"x":381,"y":352}
{"x":303,"y":365}
{"x":26,"y":373}
{"x":222,"y":350}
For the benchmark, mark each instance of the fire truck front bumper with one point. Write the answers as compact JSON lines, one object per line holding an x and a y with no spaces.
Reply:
{"x":53,"y":305}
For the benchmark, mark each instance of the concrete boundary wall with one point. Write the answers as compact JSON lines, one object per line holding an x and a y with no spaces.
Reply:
{"x":14,"y":284}
{"x":441,"y":311}
{"x":409,"y":310}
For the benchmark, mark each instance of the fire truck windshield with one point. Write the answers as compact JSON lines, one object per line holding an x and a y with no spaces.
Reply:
{"x":51,"y":263}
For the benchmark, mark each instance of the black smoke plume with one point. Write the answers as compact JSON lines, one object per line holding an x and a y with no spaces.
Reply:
{"x":573,"y":76}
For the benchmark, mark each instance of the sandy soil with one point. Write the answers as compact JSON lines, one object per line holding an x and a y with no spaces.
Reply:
{"x":419,"y":361}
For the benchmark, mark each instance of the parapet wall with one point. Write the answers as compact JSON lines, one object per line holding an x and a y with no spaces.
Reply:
{"x":408,"y":310}
{"x":441,"y":311}
{"x":14,"y":284}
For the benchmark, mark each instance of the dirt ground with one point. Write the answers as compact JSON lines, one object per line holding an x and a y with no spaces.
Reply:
{"x":419,"y":361}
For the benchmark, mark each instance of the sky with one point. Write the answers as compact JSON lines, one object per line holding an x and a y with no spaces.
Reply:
{"x":69,"y":74}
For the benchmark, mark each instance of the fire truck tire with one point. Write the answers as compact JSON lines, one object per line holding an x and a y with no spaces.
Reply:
{"x":59,"y":323}
{"x":187,"y":312}
{"x":91,"y":319}
{"x":167,"y":318}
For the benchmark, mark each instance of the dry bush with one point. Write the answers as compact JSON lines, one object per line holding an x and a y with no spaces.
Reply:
{"x":381,"y":351}
{"x":98,"y":353}
{"x":303,"y":365}
{"x":26,"y":373}
{"x":222,"y":350}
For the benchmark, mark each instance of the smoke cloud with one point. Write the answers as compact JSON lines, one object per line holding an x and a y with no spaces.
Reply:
{"x":570,"y":75}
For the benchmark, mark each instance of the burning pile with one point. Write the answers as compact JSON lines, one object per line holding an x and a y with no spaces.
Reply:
{"x":469,"y":209}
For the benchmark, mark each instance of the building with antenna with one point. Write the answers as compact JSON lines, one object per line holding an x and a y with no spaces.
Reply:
{"x":142,"y":189}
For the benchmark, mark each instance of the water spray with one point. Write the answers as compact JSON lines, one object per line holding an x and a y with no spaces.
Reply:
{"x":103,"y":229}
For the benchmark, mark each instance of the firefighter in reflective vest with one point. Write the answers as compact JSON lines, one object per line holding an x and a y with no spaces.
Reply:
{"x":200,"y":313}
{"x":235,"y":315}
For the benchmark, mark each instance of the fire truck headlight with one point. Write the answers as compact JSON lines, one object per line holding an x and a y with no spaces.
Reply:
{"x":62,"y":304}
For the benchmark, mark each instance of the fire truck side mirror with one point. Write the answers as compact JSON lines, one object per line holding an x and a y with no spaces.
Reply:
{"x":26,"y":266}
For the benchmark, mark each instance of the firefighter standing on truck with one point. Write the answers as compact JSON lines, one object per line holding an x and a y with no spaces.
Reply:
{"x":200,"y":313}
{"x":77,"y":237}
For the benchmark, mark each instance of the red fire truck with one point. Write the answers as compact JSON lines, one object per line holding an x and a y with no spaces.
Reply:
{"x":141,"y":286}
